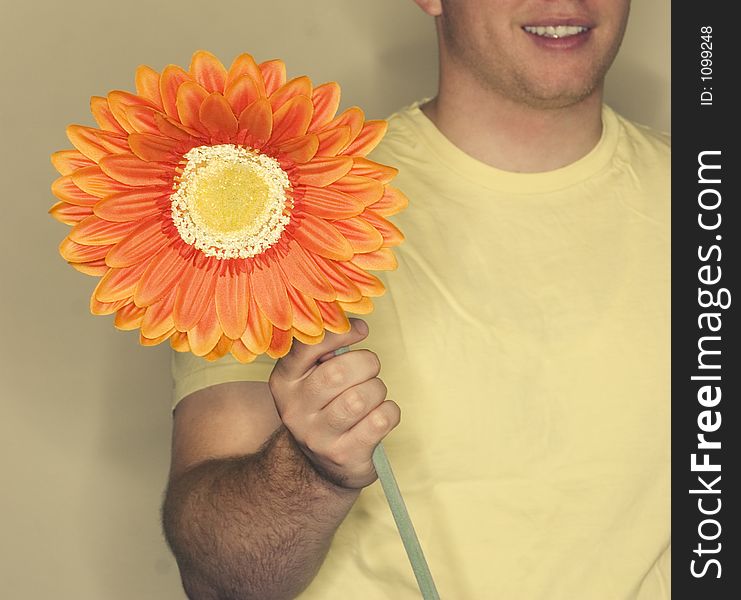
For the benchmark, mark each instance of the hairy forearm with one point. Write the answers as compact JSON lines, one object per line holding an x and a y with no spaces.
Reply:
{"x":257,"y":526}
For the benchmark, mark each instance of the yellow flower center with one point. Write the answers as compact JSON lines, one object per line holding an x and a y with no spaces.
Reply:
{"x":230,"y":201}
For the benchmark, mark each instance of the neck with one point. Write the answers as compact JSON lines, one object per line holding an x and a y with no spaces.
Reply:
{"x":512,"y":136}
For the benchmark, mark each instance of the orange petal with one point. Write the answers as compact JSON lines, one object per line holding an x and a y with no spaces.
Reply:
{"x":307,"y":339}
{"x":280,"y":345}
{"x":369,"y":285}
{"x":269,"y":292}
{"x":173,"y":129}
{"x":256,"y":123}
{"x":392,"y":235}
{"x":170,"y":81}
{"x":291,"y":119}
{"x":365,"y":189}
{"x":273,"y":74}
{"x":346,"y":290}
{"x":243,"y":65}
{"x":129,"y":317}
{"x":158,"y":318}
{"x":330,"y":203}
{"x":335,"y":319}
{"x":93,"y":181}
{"x":103,"y":115}
{"x":142,"y":119}
{"x":195,"y":292}
{"x":106,"y":308}
{"x":145,"y":341}
{"x":161,"y":276}
{"x":190,"y":97}
{"x":362,"y":236}
{"x":241,"y":353}
{"x":382,"y":259}
{"x":303,"y":274}
{"x":208,"y":71}
{"x":361,"y":307}
{"x":69,"y":214}
{"x":204,"y":336}
{"x":392,"y":202}
{"x":118,"y":284}
{"x":65,"y":189}
{"x":223,"y":346}
{"x":94,"y":231}
{"x":232,"y":302}
{"x":132,"y":205}
{"x":301,"y":149}
{"x":320,"y":237}
{"x":241,"y":93}
{"x":332,"y":141}
{"x":71,"y":251}
{"x":68,"y":161}
{"x":259,"y":329}
{"x":95,"y":268}
{"x":353,"y":118}
{"x":368,"y":138}
{"x":142,"y":243}
{"x":179,"y":341}
{"x":368,"y":168}
{"x":321,"y":172}
{"x":131,"y":170}
{"x":119,"y":101}
{"x":326,"y":100}
{"x":300,"y":86}
{"x":150,"y":147}
{"x":306,"y":316}
{"x":217,"y":116}
{"x":147,"y":82}
{"x":95,"y":143}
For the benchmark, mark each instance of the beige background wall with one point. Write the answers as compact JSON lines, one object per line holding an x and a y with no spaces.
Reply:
{"x":84,"y":411}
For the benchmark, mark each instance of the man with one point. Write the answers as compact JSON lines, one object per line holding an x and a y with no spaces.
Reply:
{"x":525,"y":334}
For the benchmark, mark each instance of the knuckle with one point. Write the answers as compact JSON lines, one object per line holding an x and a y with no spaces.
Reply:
{"x":333,"y":374}
{"x":353,"y":404}
{"x":379,"y":422}
{"x":385,"y":417}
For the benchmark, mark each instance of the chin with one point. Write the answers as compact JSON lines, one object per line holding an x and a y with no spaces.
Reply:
{"x":557,"y":96}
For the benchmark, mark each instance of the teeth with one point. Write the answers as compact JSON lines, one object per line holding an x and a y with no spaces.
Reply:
{"x":559,"y":31}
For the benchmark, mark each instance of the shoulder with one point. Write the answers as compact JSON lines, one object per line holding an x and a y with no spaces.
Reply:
{"x":403,"y":137}
{"x":646,"y":142}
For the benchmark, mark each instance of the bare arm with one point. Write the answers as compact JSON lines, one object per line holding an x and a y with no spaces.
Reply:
{"x":256,"y":526}
{"x":247,"y":512}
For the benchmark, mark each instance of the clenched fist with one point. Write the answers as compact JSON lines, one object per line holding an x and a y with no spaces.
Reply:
{"x":335,"y":405}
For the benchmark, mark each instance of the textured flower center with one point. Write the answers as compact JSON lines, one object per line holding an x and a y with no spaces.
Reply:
{"x":230,"y":201}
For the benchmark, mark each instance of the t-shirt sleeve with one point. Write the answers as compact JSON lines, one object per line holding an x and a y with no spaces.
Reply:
{"x":191,"y":373}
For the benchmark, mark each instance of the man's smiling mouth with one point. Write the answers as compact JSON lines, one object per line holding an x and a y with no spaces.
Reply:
{"x":555,"y":31}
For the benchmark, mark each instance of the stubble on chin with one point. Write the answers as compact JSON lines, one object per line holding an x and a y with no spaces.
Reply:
{"x":519,"y":84}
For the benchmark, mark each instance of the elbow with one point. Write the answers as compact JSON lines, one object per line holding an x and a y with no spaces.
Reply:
{"x":213,"y":565}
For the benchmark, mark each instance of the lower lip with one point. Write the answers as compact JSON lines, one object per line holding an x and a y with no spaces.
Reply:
{"x":564,"y":43}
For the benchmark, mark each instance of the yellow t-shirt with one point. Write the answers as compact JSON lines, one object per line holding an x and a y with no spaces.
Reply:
{"x":525,"y":336}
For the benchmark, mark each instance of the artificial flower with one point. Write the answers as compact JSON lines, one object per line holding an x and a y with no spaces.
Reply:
{"x":227,"y":210}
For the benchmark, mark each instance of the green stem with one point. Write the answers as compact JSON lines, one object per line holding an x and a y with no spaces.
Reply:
{"x":404,"y":524}
{"x":403,"y":521}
